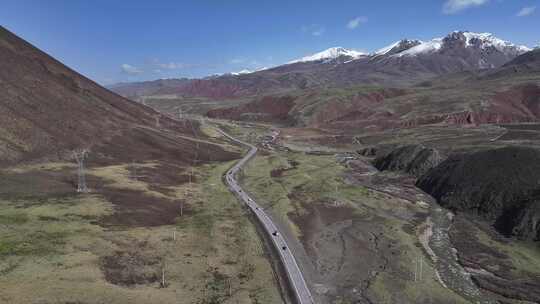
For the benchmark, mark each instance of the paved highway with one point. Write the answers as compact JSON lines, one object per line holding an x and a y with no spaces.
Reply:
{"x":296,"y":279}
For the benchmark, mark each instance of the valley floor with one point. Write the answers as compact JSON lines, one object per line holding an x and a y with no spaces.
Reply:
{"x":161,"y":232}
{"x":146,"y":233}
{"x":373,"y":237}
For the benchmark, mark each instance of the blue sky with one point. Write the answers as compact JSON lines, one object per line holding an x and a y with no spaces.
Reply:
{"x":129,"y":40}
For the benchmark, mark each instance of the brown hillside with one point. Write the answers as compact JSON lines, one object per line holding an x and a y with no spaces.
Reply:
{"x":47,"y":109}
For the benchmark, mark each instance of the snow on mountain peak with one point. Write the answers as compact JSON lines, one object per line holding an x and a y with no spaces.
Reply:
{"x":397,"y":47}
{"x":329,"y":54}
{"x":470,"y":39}
{"x":386,"y":49}
{"x":423,"y":48}
{"x":244,"y":71}
{"x":407,"y":47}
{"x":487,"y":39}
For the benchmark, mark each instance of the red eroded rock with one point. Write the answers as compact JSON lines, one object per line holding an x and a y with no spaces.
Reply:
{"x":361,"y":107}
{"x":517,"y":104}
{"x":268,"y":109}
{"x":520,"y":103}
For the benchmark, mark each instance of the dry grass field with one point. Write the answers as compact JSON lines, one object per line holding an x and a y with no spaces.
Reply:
{"x":140,"y":223}
{"x":355,"y":243}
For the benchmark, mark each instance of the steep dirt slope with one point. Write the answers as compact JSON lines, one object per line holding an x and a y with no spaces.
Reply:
{"x":528,"y":62}
{"x":412,"y":159}
{"x":500,"y":185}
{"x":47,"y":109}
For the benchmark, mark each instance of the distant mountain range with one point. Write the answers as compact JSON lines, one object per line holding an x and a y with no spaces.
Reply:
{"x":406,"y":47}
{"x":506,"y":94}
{"x":402,"y":63}
{"x":331,"y":54}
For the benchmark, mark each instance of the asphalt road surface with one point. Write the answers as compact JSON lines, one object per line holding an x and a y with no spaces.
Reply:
{"x":296,"y":279}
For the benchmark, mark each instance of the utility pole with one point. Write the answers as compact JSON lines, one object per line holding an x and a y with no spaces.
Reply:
{"x":80,"y":156}
{"x":190,"y":176}
{"x":192,"y":128}
{"x":415,"y":268}
{"x":180,"y":115}
{"x":336,"y":201}
{"x":163,"y":275}
{"x":195,"y":160}
{"x":421,"y":262}
{"x":418,"y":265}
{"x":189,"y":190}
{"x":157,"y":117}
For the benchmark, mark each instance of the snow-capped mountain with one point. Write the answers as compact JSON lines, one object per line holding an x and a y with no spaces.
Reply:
{"x":331,"y":54}
{"x":244,"y":71}
{"x":401,"y":63}
{"x":422,"y":48}
{"x":475,"y":42}
{"x":484,"y":40}
{"x":397,"y":47}
{"x":470,"y":40}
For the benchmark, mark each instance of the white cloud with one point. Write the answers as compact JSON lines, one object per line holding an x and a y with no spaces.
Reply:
{"x":526,"y":11}
{"x":164,"y":66}
{"x":455,"y":6}
{"x":129,"y":69}
{"x":318,"y":32}
{"x":170,"y":65}
{"x":354,"y":23}
{"x":237,"y":60}
{"x":314,"y":29}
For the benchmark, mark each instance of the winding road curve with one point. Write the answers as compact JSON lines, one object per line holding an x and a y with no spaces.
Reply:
{"x":296,"y":279}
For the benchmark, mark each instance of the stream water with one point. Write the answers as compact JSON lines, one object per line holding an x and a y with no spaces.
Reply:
{"x":451,"y":272}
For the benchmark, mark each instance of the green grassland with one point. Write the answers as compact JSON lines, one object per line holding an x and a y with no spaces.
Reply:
{"x":321,"y":179}
{"x":54,"y":247}
{"x":524,"y":256}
